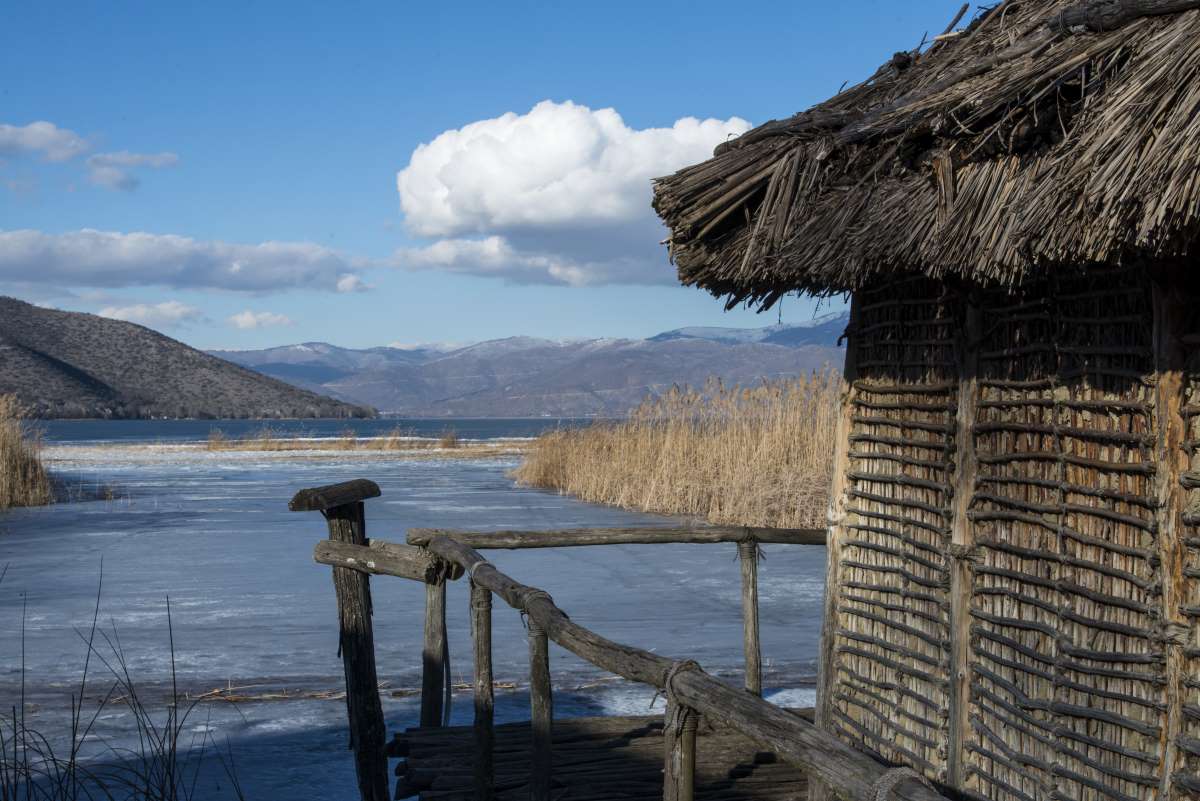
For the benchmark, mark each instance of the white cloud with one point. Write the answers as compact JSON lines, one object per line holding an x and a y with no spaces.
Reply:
{"x":168,"y":313}
{"x":44,"y":139}
{"x":558,"y":195}
{"x":251,"y":319}
{"x":114,"y":170}
{"x":352,"y":283}
{"x":108,"y":259}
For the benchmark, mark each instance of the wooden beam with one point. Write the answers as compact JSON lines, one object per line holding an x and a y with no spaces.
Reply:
{"x":541,"y":708}
{"x":433,"y":655}
{"x":825,"y":757}
{"x":748,"y":558}
{"x":485,"y":694}
{"x":568,"y":538}
{"x":380,"y":559}
{"x":679,"y":753}
{"x":320,"y":499}
{"x":356,"y":641}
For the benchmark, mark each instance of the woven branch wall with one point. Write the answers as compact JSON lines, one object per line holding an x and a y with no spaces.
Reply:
{"x":1015,"y":576}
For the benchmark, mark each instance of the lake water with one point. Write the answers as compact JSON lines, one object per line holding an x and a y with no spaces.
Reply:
{"x":250,"y":609}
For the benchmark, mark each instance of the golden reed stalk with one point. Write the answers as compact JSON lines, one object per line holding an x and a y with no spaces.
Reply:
{"x":23,"y":480}
{"x":760,"y":456}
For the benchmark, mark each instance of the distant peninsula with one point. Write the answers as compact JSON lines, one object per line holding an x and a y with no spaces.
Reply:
{"x":72,"y":365}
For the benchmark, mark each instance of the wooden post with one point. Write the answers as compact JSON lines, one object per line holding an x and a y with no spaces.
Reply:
{"x":485,"y":701}
{"x":342,"y":505}
{"x":679,"y":752}
{"x":541,"y":703}
{"x":433,"y":655}
{"x":748,"y":556}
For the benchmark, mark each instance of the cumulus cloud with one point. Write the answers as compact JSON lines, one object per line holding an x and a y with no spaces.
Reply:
{"x":168,"y":314}
{"x":352,"y":283}
{"x":115,"y":170}
{"x":108,"y":259}
{"x":248,"y":319}
{"x":43,"y":139}
{"x":560,"y":194}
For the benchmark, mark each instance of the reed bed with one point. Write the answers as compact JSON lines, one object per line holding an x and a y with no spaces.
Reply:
{"x":23,"y":479}
{"x":759,"y":456}
{"x":398,"y":440}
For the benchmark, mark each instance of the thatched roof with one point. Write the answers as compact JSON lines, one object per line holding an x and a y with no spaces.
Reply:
{"x":1047,"y":134}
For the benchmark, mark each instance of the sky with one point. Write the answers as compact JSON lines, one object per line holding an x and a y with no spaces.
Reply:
{"x":248,"y":174}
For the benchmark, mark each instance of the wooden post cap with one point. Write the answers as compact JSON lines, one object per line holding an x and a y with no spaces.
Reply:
{"x":320,"y":499}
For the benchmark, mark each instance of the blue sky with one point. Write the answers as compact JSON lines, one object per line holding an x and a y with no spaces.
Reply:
{"x":179,"y":138}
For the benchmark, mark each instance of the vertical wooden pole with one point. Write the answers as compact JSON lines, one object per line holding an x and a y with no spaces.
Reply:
{"x":748,"y":556}
{"x":356,"y":641}
{"x":962,"y":538}
{"x":541,"y":703}
{"x":679,"y":753}
{"x":433,"y":654}
{"x":838,"y":501}
{"x":485,"y":701}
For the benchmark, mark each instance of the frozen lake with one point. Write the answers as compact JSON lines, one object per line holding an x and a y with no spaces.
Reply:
{"x":249,"y":608}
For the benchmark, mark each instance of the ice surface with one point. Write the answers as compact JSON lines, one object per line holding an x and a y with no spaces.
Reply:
{"x":250,"y":609}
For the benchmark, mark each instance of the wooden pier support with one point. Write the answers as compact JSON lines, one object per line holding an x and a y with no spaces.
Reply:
{"x":679,"y":752}
{"x":433,"y":656}
{"x":343,"y":508}
{"x":541,"y":704}
{"x":748,"y":556}
{"x":485,"y":698}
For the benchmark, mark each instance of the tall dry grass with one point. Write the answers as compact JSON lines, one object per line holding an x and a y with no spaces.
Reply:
{"x":760,"y":456}
{"x":23,"y":480}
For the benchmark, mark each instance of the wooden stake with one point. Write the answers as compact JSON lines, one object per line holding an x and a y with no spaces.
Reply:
{"x":485,"y":701}
{"x":433,"y":655}
{"x":541,"y":703}
{"x":679,"y":753}
{"x":356,"y":641}
{"x":748,"y":556}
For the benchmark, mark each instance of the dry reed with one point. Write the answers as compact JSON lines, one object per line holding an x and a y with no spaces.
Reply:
{"x":23,"y":479}
{"x":760,"y":456}
{"x":398,"y":440}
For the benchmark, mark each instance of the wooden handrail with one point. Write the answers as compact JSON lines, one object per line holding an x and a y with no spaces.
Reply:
{"x":818,"y":752}
{"x":577,"y":537}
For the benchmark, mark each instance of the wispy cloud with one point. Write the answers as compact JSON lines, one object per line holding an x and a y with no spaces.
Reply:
{"x":115,"y":170}
{"x":110,"y":259}
{"x":168,"y":314}
{"x":43,"y":139}
{"x":248,"y":319}
{"x":560,"y":194}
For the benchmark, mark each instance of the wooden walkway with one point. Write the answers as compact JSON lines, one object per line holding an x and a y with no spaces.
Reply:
{"x":595,"y":759}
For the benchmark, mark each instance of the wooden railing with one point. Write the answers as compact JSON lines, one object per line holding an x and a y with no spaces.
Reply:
{"x":436,"y":556}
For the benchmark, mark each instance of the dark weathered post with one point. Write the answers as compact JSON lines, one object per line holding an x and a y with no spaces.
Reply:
{"x":485,"y":702}
{"x":679,"y":752}
{"x":748,"y":556}
{"x":343,"y":508}
{"x":433,"y":654}
{"x":541,"y":703}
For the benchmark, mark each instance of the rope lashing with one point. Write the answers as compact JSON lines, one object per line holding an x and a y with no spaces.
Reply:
{"x":668,"y":689}
{"x":528,"y":597}
{"x":892,"y":778}
{"x":471,"y":568}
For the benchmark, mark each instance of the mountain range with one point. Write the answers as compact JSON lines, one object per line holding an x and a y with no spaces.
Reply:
{"x":69,"y":364}
{"x":531,"y":377}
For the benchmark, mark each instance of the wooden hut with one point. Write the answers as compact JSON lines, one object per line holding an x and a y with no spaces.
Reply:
{"x":1014,"y":561}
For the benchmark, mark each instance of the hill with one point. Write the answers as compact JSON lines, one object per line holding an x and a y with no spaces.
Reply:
{"x":529,"y":377}
{"x":68,"y":364}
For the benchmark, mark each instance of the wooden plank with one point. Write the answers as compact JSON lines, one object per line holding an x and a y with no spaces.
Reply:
{"x":320,"y":499}
{"x":962,"y":533}
{"x":568,"y":538}
{"x":839,"y":516}
{"x":751,"y":647}
{"x":380,"y":559}
{"x":357,"y":646}
{"x":541,"y":708}
{"x":485,"y":694}
{"x":433,"y":655}
{"x":850,"y":772}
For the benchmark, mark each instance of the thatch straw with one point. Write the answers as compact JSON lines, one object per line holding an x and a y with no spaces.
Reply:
{"x":1048,"y":133}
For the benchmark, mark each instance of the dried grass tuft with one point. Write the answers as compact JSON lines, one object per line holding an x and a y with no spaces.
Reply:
{"x":758,"y":456}
{"x":23,"y":479}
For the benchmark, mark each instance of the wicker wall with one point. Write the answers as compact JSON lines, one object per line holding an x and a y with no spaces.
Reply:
{"x":1052,"y":582}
